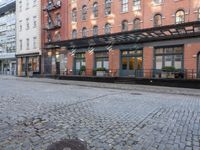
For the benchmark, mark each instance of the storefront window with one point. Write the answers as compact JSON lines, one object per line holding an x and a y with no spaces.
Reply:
{"x":169,"y":57}
{"x":132,"y":60}
{"x":79,"y":60}
{"x":102,"y":60}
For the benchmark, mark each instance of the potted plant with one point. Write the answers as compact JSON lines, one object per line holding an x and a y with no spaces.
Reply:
{"x":101,"y":72}
{"x":82,"y":70}
{"x":168,"y":72}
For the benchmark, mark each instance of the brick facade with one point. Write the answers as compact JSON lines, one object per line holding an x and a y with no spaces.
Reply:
{"x":148,"y":9}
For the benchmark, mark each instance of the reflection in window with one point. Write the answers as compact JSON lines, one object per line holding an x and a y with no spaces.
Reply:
{"x":136,"y":24}
{"x":180,"y":16}
{"x":157,"y":20}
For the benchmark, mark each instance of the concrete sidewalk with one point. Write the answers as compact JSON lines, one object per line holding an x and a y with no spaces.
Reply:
{"x":133,"y":87}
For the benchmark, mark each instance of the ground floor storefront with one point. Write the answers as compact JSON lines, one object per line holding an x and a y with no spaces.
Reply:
{"x":28,"y":65}
{"x":8,"y":67}
{"x":161,"y":52}
{"x":157,"y":61}
{"x":54,"y":61}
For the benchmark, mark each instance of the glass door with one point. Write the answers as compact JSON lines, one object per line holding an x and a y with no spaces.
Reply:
{"x":132,"y":63}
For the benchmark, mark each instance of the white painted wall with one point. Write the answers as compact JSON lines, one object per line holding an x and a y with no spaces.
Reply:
{"x":30,"y":12}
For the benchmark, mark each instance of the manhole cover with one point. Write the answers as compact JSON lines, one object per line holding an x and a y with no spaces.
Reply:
{"x":135,"y":93}
{"x":66,"y":144}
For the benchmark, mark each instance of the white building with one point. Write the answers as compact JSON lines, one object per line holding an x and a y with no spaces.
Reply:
{"x":7,"y":37}
{"x":28,"y":37}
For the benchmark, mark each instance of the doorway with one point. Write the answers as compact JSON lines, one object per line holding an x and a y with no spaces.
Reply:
{"x":132,"y":63}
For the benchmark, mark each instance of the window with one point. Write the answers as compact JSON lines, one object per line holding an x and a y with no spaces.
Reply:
{"x":20,"y":25}
{"x":95,"y":30}
{"x":34,"y":2}
{"x":169,"y":57}
{"x":27,"y":4}
{"x":20,"y":5}
{"x":34,"y":42}
{"x":136,"y":4}
{"x":20,"y":45}
{"x":180,"y":16}
{"x":27,"y":24}
{"x":102,"y":60}
{"x":95,"y":9}
{"x":34,"y":22}
{"x":74,"y":15}
{"x":74,"y":34}
{"x":27,"y":44}
{"x":136,"y":24}
{"x":125,"y":25}
{"x":58,"y":19}
{"x":107,"y":28}
{"x":57,"y":36}
{"x":157,"y":20}
{"x":158,"y":1}
{"x":79,"y":61}
{"x":124,"y":5}
{"x":199,"y":14}
{"x":107,"y":7}
{"x":84,"y":32}
{"x":84,"y":12}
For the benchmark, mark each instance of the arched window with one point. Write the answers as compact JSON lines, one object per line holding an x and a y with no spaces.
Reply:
{"x":136,"y":24}
{"x":107,"y":7}
{"x":125,"y":25}
{"x":84,"y":32}
{"x":95,"y":9}
{"x":157,"y":20}
{"x":74,"y":34}
{"x":107,"y":28}
{"x":84,"y":12}
{"x":180,"y":16}
{"x":95,"y":30}
{"x":74,"y":15}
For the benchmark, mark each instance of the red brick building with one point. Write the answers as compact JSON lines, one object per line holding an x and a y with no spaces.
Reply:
{"x":131,"y":37}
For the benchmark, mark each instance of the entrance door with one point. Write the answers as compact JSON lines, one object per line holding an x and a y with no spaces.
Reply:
{"x":198,"y":65}
{"x":132,"y":63}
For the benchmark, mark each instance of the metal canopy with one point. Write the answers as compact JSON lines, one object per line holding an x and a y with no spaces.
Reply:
{"x":169,"y":32}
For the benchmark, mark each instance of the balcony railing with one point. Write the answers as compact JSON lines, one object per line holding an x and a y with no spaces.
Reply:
{"x":52,"y":26}
{"x":143,"y":73}
{"x":52,"y":6}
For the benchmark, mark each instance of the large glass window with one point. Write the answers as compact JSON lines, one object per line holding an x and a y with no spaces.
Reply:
{"x":102,"y":60}
{"x":180,"y":16}
{"x":132,"y":59}
{"x":79,"y":60}
{"x":169,"y":57}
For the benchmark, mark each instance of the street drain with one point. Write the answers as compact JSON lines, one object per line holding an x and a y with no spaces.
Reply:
{"x":68,"y":144}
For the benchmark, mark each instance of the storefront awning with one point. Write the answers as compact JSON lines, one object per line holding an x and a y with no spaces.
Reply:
{"x":169,"y":32}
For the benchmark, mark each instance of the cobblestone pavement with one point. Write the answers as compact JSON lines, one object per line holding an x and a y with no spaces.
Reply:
{"x":35,"y":114}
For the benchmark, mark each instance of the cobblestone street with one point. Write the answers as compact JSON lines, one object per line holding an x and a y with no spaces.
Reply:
{"x":35,"y":114}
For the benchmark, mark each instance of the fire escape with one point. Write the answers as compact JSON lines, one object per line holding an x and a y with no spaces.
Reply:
{"x":53,"y":22}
